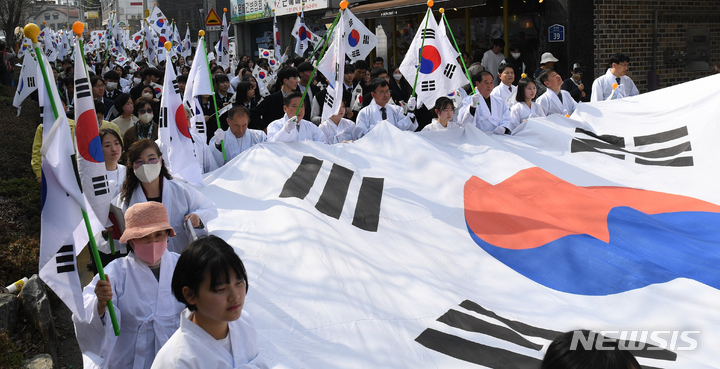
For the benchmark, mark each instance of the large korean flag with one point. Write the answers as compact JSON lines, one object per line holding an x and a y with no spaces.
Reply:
{"x":439,"y":73}
{"x":476,"y":251}
{"x":359,"y":40}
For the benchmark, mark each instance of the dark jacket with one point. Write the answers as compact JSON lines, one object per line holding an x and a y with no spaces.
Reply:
{"x":269,"y":110}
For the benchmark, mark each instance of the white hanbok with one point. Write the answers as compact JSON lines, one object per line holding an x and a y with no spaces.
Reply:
{"x":551,"y":104}
{"x":484,"y":119}
{"x":520,"y":112}
{"x":145,"y":308}
{"x":436,"y":126}
{"x":234,"y":146}
{"x":602,"y":87}
{"x":180,"y":199}
{"x":192,"y":347}
{"x":370,"y":116}
{"x":115,"y":182}
{"x":337,"y":133}
{"x":504,"y":93}
{"x":306,"y":132}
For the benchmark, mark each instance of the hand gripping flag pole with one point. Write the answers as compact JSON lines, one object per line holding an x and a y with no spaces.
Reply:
{"x":343,"y":5}
{"x":32,"y":31}
{"x":80,"y":28}
{"x":422,"y":45}
{"x":447,"y":25}
{"x":201,"y":33}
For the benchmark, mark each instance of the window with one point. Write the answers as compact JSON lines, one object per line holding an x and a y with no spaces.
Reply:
{"x":56,"y":15}
{"x":47,"y":16}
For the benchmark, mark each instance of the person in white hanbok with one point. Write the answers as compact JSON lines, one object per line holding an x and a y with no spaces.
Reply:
{"x":139,"y":287}
{"x":287,"y":129}
{"x":525,"y":107}
{"x":380,"y":110}
{"x":237,"y":138}
{"x":215,"y":332}
{"x":443,"y":112}
{"x":148,"y":179}
{"x":487,"y":113}
{"x":112,"y":151}
{"x":505,"y":91}
{"x":602,"y":87}
{"x":338,"y":129}
{"x":555,"y":100}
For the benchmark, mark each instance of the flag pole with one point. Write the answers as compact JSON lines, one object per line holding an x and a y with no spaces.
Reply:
{"x":422,"y":45}
{"x":201,"y":33}
{"x":82,"y":56}
{"x":467,"y":73}
{"x":343,"y":6}
{"x":32,"y":31}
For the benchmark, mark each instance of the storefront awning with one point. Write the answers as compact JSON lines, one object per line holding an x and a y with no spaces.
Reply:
{"x":393,"y":8}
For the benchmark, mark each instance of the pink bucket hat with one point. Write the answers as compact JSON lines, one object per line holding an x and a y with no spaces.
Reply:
{"x":145,"y":218}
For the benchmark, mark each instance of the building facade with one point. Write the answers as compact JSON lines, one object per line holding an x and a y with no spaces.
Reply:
{"x":129,"y":12}
{"x":55,"y":16}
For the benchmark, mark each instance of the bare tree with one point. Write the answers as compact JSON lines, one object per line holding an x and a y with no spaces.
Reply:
{"x":13,"y":13}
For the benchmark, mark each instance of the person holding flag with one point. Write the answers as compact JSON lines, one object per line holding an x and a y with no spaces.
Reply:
{"x":237,"y":137}
{"x":289,"y":129}
{"x":486,"y":112}
{"x":379,"y":110}
{"x":139,"y":286}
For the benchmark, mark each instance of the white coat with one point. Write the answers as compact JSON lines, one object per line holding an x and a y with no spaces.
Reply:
{"x":180,"y":199}
{"x":235,"y":146}
{"x":602,"y":87}
{"x":192,"y":347}
{"x":484,"y":119}
{"x":436,"y":126}
{"x":115,"y":182}
{"x":371,"y":115}
{"x":337,"y":133}
{"x":504,"y":92}
{"x":520,"y":112}
{"x":551,"y":103}
{"x":308,"y":132}
{"x":146,"y":311}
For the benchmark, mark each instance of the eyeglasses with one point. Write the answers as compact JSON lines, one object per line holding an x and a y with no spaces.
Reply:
{"x":140,"y":163}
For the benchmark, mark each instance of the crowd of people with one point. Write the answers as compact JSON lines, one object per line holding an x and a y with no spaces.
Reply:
{"x":179,"y":298}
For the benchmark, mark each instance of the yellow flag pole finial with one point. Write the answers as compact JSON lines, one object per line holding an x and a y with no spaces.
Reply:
{"x":344,"y":4}
{"x":201,"y":33}
{"x":32,"y":31}
{"x":225,"y":10}
{"x":168,"y":45}
{"x":442,"y":10}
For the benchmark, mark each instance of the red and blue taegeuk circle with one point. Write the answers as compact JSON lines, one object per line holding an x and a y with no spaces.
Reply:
{"x":431,"y":59}
{"x":88,"y":140}
{"x":302,"y":33}
{"x":353,"y":38}
{"x":266,"y":53}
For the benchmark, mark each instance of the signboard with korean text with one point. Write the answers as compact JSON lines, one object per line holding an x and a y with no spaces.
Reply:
{"x":245,"y":10}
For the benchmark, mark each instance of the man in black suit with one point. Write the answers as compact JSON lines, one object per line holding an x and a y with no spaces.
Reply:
{"x":304,"y":71}
{"x":271,"y":108}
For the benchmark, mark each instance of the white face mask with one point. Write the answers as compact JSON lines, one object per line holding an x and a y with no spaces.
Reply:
{"x":515,"y":55}
{"x":146,"y":118}
{"x":147,"y":95}
{"x":148,"y":172}
{"x":111,"y":86}
{"x":137,"y":80}
{"x":397,"y":76}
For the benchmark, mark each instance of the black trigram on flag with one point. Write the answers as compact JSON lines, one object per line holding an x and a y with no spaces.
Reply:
{"x":366,"y":40}
{"x":449,"y":70}
{"x":175,"y":86}
{"x":426,"y":86}
{"x":82,"y":88}
{"x":163,"y":117}
{"x":428,"y":33}
{"x":65,"y":259}
{"x":669,"y":148}
{"x":332,"y":199}
{"x":329,"y":100}
{"x":356,"y":53}
{"x":31,"y":81}
{"x":200,"y":127}
{"x":350,"y":22}
{"x":100,"y":185}
{"x":508,"y":333}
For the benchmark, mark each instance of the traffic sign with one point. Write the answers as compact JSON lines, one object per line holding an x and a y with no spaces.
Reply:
{"x":556,"y":33}
{"x":212,"y":19}
{"x":213,"y":28}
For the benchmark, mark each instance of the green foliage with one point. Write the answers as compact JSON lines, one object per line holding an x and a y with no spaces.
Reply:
{"x":10,"y":356}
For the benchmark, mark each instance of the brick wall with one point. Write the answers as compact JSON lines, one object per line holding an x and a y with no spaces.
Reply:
{"x":627,"y":26}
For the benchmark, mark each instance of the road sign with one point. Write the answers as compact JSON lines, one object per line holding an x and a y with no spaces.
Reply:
{"x":213,"y":28}
{"x":556,"y":33}
{"x":212,"y":19}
